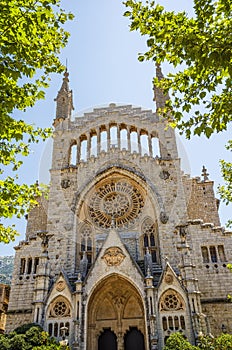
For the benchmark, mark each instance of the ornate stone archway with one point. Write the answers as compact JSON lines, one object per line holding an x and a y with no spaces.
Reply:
{"x":115,"y":304}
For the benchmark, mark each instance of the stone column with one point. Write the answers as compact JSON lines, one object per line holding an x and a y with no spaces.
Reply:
{"x":191,"y":284}
{"x":78,"y":150}
{"x":118,"y":137}
{"x":77,"y":314}
{"x":88,"y":146}
{"x":153,"y":336}
{"x":139,"y":142}
{"x":108,"y":137}
{"x":128,"y":139}
{"x":98,"y":141}
{"x":42,"y":280}
{"x":150,"y":145}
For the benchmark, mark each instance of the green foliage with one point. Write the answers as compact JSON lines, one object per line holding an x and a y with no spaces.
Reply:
{"x":176,"y":341}
{"x":204,"y":45}
{"x":31,"y":39}
{"x":4,"y":342}
{"x":31,"y":338}
{"x":199,"y":51}
{"x":226,"y":190}
{"x":224,"y":342}
{"x":26,"y":327}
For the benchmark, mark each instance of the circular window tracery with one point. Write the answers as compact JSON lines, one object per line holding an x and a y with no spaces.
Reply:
{"x":60,"y":309}
{"x":118,"y":200}
{"x":171,"y":301}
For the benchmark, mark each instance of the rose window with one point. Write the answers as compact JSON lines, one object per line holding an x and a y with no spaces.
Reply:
{"x":120,"y":201}
{"x":60,"y":309}
{"x":116,"y":204}
{"x":171,"y":301}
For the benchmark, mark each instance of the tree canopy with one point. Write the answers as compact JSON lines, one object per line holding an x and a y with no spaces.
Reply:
{"x":32,"y":338}
{"x":32,"y":36}
{"x":177,"y":341}
{"x":199,"y":52}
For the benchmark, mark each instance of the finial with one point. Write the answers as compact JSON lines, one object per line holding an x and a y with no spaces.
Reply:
{"x":159,"y":96}
{"x":204,"y":174}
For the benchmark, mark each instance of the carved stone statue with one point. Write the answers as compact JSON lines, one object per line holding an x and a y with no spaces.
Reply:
{"x":148,"y":262}
{"x":83,"y":265}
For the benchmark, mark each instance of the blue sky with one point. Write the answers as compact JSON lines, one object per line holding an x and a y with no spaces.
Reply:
{"x":103,"y":66}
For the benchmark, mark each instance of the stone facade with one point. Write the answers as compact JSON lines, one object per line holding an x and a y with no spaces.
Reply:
{"x":4,"y":301}
{"x":127,"y":249}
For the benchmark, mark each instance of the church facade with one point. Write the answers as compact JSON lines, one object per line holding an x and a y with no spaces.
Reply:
{"x":127,"y":249}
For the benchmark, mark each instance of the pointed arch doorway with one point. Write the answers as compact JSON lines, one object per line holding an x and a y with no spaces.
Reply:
{"x":114,"y":307}
{"x":107,"y":340}
{"x":134,"y":340}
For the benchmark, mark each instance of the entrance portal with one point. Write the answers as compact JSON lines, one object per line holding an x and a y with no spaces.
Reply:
{"x":134,"y":340}
{"x":107,"y":340}
{"x":114,"y":307}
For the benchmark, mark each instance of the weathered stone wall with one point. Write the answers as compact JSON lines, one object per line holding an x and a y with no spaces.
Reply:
{"x":201,"y":200}
{"x":219,"y":314}
{"x":37,"y":218}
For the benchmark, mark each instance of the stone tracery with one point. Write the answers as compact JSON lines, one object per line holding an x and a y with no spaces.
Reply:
{"x":120,"y":200}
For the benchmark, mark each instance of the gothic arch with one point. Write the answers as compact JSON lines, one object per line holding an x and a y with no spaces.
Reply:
{"x":116,"y":304}
{"x":81,"y":197}
{"x":85,"y":239}
{"x":150,"y":238}
{"x":134,"y":339}
{"x":107,"y":340}
{"x":173,"y":312}
{"x":58,"y":315}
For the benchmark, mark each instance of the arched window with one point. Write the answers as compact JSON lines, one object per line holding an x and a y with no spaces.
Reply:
{"x":83,"y":156}
{"x":165,"y":324}
{"x":59,"y":317}
{"x":113,"y":136}
{"x":93,"y":147}
{"x":50,"y":329}
{"x":205,"y":254}
{"x":87,"y":241}
{"x":134,"y":142}
{"x":221,"y":253}
{"x":172,"y":311}
{"x":123,"y":138}
{"x":56,"y":329}
{"x":103,"y":141}
{"x":155,"y":147}
{"x":149,"y":240}
{"x":73,"y":154}
{"x":213,"y":254}
{"x":144,"y":145}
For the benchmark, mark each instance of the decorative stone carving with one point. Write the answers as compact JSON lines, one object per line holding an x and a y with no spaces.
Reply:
{"x":113,"y":256}
{"x":118,"y":199}
{"x":68,"y":227}
{"x":164,"y":175}
{"x":168,"y":279}
{"x":65,"y":183}
{"x":163,"y":217}
{"x":60,"y":286}
{"x":171,"y":301}
{"x":45,"y":237}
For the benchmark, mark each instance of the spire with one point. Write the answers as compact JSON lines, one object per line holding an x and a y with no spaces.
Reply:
{"x":159,"y":96}
{"x":64,"y":99}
